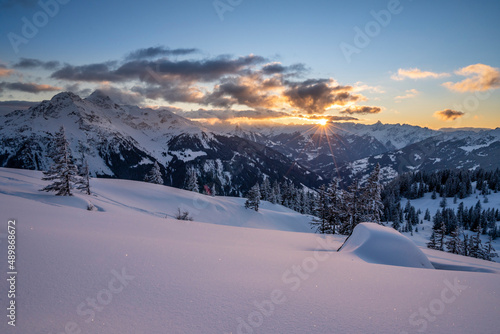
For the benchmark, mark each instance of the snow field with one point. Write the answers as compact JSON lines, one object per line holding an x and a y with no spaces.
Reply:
{"x":215,"y":274}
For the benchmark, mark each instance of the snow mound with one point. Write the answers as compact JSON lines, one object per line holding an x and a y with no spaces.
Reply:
{"x":378,"y":244}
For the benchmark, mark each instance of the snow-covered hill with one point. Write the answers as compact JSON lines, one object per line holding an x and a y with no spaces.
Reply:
{"x":127,"y":269}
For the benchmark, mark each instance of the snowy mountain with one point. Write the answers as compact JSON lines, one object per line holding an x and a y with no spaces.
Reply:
{"x":125,"y":141}
{"x":129,"y":267}
{"x":322,"y":149}
{"x":457,"y":149}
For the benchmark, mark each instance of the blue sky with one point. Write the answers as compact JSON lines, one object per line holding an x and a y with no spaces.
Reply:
{"x":432,"y":42}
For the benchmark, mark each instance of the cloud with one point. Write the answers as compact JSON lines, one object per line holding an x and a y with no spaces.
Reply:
{"x":415,"y":73}
{"x":4,"y":71}
{"x":278,"y":68}
{"x":410,"y":93}
{"x":120,"y":96}
{"x":28,"y":87}
{"x":332,"y":118}
{"x":252,"y":91}
{"x":157,"y":51}
{"x":158,"y":71}
{"x":314,"y":96}
{"x":481,"y":77}
{"x":361,"y":110}
{"x":219,"y":82}
{"x":225,"y":114}
{"x":448,"y":114}
{"x":29,"y":63}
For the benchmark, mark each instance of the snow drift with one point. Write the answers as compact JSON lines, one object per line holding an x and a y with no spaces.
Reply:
{"x":374,"y":243}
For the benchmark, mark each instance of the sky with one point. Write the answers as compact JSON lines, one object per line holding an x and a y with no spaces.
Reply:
{"x":426,"y":63}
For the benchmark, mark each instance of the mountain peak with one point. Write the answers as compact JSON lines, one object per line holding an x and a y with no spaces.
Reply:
{"x":98,"y":97}
{"x":66,"y":96}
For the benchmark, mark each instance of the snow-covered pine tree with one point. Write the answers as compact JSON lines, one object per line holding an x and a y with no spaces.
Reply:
{"x":63,"y":172}
{"x":192,"y":181}
{"x":253,"y":198}
{"x":488,"y":250}
{"x":352,"y":208}
{"x":321,"y":212}
{"x":371,"y":198}
{"x":454,"y":244}
{"x":336,"y":212}
{"x":265,"y":190}
{"x":432,"y":242}
{"x":154,"y":175}
{"x":83,"y":182}
{"x":476,"y":246}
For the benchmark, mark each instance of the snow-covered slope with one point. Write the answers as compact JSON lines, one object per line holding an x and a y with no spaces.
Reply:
{"x":128,"y":269}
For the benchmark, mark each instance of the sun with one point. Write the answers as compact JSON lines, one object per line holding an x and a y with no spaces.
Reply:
{"x":322,"y":122}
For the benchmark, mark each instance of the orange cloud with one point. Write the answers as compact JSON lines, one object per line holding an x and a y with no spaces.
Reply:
{"x":481,"y":77}
{"x":410,"y":93}
{"x":363,"y":110}
{"x":448,"y":114}
{"x":5,"y":72}
{"x":415,"y":73}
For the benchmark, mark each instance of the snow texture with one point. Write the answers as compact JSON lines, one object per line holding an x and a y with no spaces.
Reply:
{"x":374,"y":243}
{"x":214,"y":274}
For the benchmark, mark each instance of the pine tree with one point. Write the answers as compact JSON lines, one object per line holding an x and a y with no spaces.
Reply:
{"x":83,"y":182}
{"x":63,"y":172}
{"x":372,"y":206}
{"x":265,"y":190}
{"x":476,"y":246}
{"x":154,"y":175}
{"x":427,"y":215}
{"x":192,"y":181}
{"x":432,"y":242}
{"x":253,"y":198}
{"x":454,"y":244}
{"x":443,"y":203}
{"x":321,"y":220}
{"x":488,"y":250}
{"x":434,"y":195}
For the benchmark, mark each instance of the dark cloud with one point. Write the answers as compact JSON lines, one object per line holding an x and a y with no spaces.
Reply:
{"x":158,"y":71}
{"x":278,"y":68}
{"x":361,"y":110}
{"x":29,"y":63}
{"x":92,"y":73}
{"x":157,"y":51}
{"x":448,"y":114}
{"x":246,"y":91}
{"x":314,"y":96}
{"x":28,"y":87}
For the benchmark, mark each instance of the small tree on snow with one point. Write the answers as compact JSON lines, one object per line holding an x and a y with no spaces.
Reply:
{"x":253,"y":198}
{"x":83,"y":182}
{"x":63,"y":171}
{"x":192,"y":181}
{"x":154,"y":175}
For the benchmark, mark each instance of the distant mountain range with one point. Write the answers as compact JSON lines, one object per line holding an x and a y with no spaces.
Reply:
{"x":124,"y":141}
